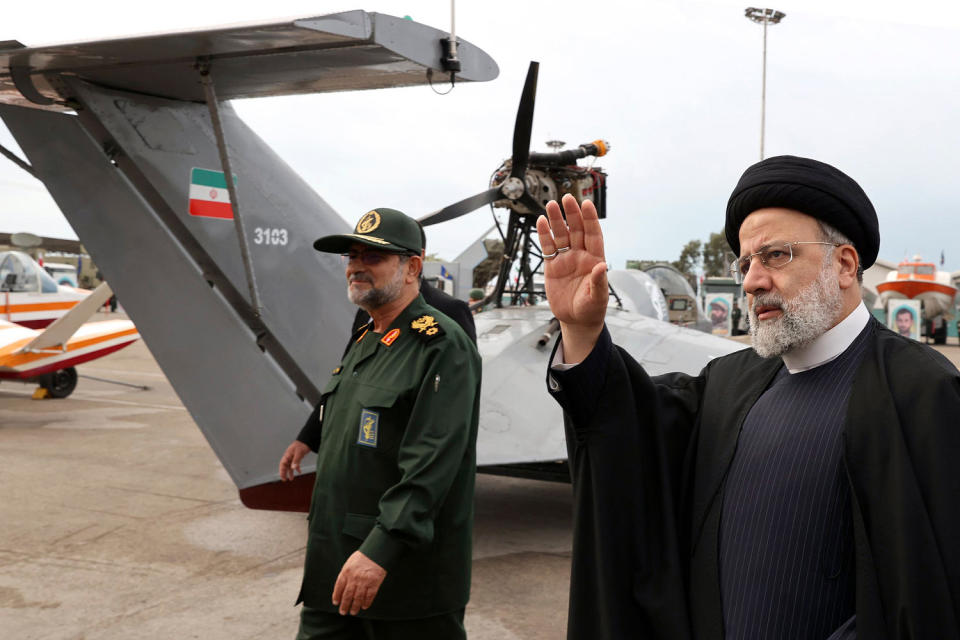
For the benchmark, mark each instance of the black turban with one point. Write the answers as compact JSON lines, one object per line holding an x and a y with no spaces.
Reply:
{"x":810,"y":187}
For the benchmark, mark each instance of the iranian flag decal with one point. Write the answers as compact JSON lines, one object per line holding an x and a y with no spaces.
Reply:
{"x":209,"y":197}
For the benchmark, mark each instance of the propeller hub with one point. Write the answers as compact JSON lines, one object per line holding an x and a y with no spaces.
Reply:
{"x":512,"y":188}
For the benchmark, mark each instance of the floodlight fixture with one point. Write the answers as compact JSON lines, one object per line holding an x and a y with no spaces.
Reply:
{"x":771,"y":16}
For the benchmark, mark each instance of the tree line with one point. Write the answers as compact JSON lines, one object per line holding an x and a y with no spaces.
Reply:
{"x":713,"y":256}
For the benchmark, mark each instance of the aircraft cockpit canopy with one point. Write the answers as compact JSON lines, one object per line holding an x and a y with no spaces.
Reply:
{"x":638,"y":292}
{"x":670,"y":280}
{"x":20,"y":273}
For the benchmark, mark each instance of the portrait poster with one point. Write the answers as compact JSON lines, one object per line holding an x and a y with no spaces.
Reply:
{"x":719,"y":307}
{"x":904,"y":318}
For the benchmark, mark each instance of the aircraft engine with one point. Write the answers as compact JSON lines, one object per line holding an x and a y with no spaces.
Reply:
{"x":552,"y":183}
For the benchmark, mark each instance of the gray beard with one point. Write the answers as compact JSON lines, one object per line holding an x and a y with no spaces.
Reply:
{"x":373,"y":298}
{"x":804,"y":318}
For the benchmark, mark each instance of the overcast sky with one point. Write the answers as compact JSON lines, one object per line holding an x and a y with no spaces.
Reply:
{"x":673,"y":86}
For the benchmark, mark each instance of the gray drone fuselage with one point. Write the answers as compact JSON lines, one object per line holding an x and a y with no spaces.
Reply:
{"x":247,"y":320}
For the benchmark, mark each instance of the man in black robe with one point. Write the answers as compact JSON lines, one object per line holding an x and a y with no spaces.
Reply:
{"x":805,"y":488}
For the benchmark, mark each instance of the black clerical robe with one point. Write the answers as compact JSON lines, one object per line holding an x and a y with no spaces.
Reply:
{"x":648,"y":457}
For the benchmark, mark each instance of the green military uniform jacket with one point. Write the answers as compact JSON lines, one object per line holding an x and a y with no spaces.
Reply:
{"x":395,"y":466}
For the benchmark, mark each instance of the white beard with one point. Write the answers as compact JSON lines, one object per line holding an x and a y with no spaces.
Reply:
{"x":803,"y":319}
{"x":373,"y":298}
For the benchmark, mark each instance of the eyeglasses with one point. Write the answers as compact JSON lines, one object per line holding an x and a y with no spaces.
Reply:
{"x":371,"y":258}
{"x":773,"y":256}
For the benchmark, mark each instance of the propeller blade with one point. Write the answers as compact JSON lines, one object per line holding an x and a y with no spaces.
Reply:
{"x":524,"y":124}
{"x":458,"y":209}
{"x":532,"y":203}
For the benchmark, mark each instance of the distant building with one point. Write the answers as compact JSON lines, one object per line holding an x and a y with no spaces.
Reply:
{"x":643,"y":265}
{"x":714,"y":284}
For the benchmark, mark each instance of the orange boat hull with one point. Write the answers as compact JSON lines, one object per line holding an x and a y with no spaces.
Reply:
{"x":914,"y":288}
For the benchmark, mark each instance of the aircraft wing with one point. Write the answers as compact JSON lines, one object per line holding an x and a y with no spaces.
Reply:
{"x":337,"y":52}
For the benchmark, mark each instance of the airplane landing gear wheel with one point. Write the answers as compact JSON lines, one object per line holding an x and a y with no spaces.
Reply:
{"x":60,"y":383}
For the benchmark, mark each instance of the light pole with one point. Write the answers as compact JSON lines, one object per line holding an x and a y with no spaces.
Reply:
{"x":764,"y":17}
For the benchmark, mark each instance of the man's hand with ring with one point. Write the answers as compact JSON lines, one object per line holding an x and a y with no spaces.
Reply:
{"x":575,"y":279}
{"x":290,"y":462}
{"x":358,"y":584}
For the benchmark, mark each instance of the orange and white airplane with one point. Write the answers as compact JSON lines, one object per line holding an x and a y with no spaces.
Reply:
{"x":29,"y":296}
{"x":48,"y":357}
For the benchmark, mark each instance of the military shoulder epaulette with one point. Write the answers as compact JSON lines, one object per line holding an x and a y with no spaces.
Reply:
{"x":427,"y":328}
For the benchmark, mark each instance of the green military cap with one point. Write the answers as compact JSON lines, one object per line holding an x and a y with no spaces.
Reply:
{"x":385,"y":229}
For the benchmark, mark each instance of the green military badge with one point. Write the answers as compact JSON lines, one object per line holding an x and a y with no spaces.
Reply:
{"x":427,"y":327}
{"x":369,"y":222}
{"x":369,"y":423}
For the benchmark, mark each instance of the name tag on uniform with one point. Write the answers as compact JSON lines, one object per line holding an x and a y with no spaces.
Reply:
{"x":369,"y":423}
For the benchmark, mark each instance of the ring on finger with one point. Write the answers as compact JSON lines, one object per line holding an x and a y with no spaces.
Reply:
{"x":551,"y":256}
{"x":562,"y":249}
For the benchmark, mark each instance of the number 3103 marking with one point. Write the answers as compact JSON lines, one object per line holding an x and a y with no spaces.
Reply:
{"x":268,"y":236}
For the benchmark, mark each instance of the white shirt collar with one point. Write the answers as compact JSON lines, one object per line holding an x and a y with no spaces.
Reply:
{"x":830,"y":345}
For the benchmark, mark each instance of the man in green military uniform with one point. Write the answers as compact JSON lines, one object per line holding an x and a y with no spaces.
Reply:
{"x":389,"y":544}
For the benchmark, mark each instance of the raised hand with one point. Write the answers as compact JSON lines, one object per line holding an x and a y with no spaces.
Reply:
{"x":576,"y":278}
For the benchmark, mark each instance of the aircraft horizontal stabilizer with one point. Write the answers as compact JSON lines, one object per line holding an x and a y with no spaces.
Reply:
{"x":66,"y":325}
{"x":337,"y":52}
